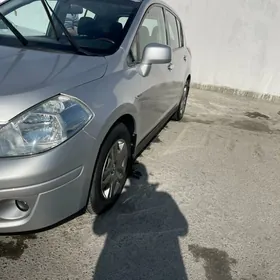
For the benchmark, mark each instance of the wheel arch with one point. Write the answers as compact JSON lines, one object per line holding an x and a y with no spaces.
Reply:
{"x":129,"y":121}
{"x":125,"y":114}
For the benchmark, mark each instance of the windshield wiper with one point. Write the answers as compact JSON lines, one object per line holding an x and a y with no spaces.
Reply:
{"x":50,"y":19}
{"x":73,"y":43}
{"x":19,"y":36}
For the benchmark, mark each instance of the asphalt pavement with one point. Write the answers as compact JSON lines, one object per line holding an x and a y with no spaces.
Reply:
{"x":203,"y":204}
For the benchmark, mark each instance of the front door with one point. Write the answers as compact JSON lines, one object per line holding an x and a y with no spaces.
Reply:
{"x":152,"y":102}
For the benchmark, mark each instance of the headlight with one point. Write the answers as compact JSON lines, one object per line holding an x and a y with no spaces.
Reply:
{"x":43,"y":127}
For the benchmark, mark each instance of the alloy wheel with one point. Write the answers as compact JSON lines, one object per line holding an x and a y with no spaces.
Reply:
{"x":114,"y":169}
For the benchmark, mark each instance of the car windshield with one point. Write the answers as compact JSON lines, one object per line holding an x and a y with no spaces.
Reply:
{"x":98,"y":26}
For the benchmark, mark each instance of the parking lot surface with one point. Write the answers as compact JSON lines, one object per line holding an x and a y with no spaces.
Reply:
{"x":203,"y":204}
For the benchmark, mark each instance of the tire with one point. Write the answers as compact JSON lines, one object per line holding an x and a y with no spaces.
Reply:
{"x":117,"y":145}
{"x":179,"y":114}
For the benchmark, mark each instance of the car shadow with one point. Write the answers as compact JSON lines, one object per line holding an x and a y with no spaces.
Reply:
{"x":142,"y":234}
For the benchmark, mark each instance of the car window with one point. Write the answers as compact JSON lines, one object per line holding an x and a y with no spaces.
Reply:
{"x":151,"y":30}
{"x":92,"y":23}
{"x":172,"y":30}
{"x":37,"y":23}
{"x":181,"y":36}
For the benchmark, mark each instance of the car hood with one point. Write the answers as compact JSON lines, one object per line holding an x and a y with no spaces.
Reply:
{"x":28,"y":77}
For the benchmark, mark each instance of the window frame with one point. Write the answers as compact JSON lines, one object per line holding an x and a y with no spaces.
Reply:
{"x":181,"y":32}
{"x":136,"y":37}
{"x":167,"y":29}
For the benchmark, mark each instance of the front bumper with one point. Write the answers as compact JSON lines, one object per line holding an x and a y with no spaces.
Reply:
{"x":54,"y":184}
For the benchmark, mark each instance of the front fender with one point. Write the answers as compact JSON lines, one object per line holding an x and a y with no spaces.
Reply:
{"x":124,"y":109}
{"x":109,"y":98}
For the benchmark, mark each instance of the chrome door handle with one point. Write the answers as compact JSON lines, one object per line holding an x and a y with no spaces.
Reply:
{"x":170,"y":67}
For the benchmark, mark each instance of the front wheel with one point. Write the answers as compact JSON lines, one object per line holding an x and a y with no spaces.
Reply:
{"x":111,"y":170}
{"x":179,"y":114}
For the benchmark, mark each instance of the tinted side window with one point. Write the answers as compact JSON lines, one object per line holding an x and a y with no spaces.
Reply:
{"x":181,"y":35}
{"x":173,"y":31}
{"x":152,"y":30}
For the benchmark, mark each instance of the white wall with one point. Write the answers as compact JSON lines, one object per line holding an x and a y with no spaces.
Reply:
{"x":234,"y":43}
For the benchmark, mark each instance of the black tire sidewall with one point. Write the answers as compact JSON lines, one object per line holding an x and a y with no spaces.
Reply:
{"x":178,"y":115}
{"x":97,"y":202}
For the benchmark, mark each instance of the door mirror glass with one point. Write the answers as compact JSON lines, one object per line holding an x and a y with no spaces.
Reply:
{"x":154,"y":53}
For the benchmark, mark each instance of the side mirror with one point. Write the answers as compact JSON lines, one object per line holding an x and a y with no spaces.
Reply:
{"x":154,"y":53}
{"x":76,"y":10}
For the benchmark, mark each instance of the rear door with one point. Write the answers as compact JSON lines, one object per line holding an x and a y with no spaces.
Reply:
{"x":179,"y":66}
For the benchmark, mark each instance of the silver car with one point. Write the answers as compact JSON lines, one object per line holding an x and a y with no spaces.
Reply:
{"x":76,"y":108}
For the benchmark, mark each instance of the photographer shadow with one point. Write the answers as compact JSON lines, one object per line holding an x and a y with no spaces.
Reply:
{"x":143,"y":231}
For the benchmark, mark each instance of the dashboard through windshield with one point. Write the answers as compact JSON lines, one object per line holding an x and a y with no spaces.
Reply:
{"x":95,"y":25}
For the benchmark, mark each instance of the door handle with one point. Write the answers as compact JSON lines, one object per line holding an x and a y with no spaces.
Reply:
{"x":185,"y":58}
{"x":170,"y":67}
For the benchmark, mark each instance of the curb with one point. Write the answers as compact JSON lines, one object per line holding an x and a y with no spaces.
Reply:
{"x":232,"y":91}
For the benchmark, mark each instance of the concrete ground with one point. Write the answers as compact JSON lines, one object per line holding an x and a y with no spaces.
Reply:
{"x":203,"y":204}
